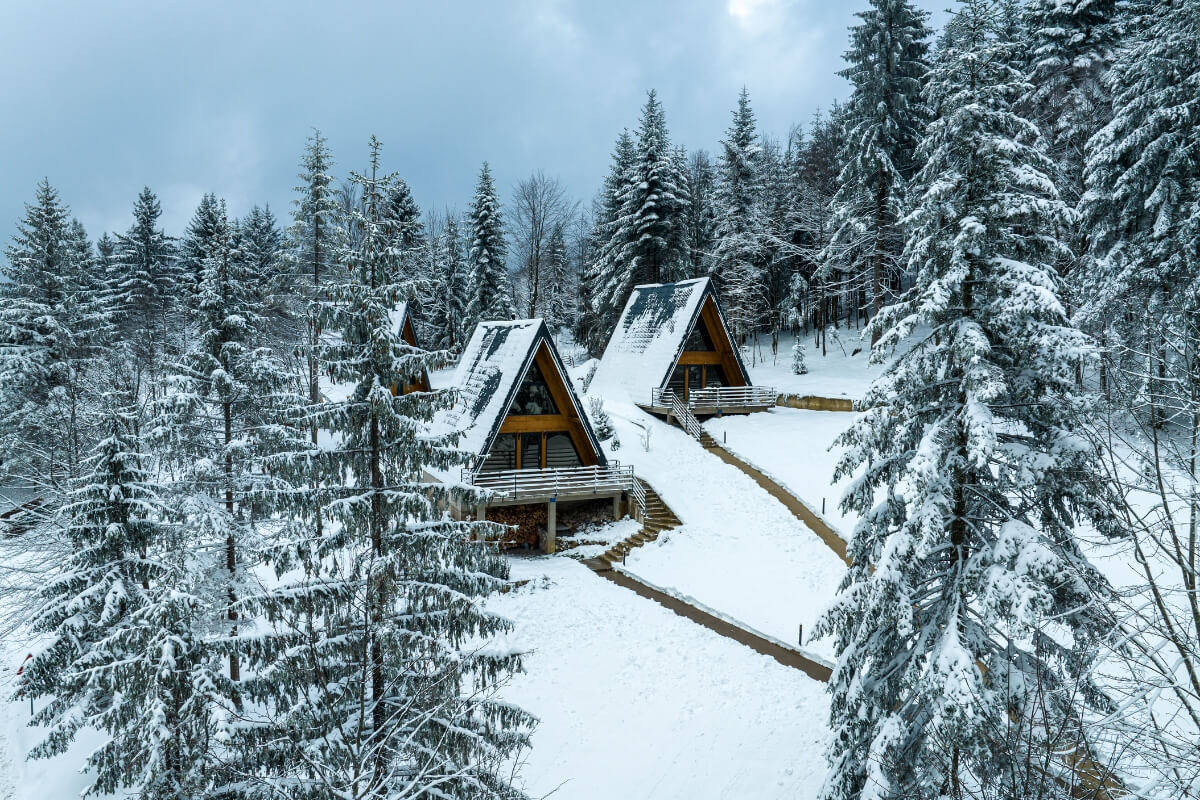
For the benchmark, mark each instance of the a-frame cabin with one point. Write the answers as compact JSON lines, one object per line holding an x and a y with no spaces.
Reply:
{"x":401,"y":318}
{"x":672,"y":343}
{"x":522,"y":422}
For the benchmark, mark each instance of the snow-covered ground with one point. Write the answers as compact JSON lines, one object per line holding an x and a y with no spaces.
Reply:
{"x":795,"y":447}
{"x":636,"y":702}
{"x":836,"y":374}
{"x":739,"y":550}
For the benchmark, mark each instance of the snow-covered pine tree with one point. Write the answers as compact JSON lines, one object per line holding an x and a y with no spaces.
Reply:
{"x":737,"y":262}
{"x":884,"y":122}
{"x":369,"y":678}
{"x":1141,"y":210}
{"x":701,"y":219}
{"x":596,"y":314}
{"x":560,"y":291}
{"x":402,"y":209}
{"x":211,"y":424}
{"x":796,"y":302}
{"x":122,"y":654}
{"x":314,"y":240}
{"x":654,"y":203}
{"x":778,"y":254}
{"x":195,"y":246}
{"x":646,"y":240}
{"x":966,"y":622}
{"x":49,"y":315}
{"x":1073,"y":45}
{"x":491,"y":290}
{"x":416,"y":258}
{"x":262,"y":246}
{"x":450,"y":311}
{"x":146,"y":283}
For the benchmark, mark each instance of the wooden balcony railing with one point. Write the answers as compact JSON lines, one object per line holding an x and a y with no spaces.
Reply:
{"x":723,"y":397}
{"x":572,"y":482}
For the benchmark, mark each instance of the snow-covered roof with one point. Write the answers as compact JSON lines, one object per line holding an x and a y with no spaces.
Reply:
{"x":397,"y":316}
{"x":487,"y":378}
{"x":650,"y":336}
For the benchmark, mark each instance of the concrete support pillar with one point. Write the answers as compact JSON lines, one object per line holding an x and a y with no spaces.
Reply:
{"x":481,"y":511}
{"x":551,"y":525}
{"x":616,"y":506}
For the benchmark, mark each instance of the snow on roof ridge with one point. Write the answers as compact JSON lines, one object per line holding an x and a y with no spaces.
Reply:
{"x":488,"y":375}
{"x":672,"y":283}
{"x":650,"y":335}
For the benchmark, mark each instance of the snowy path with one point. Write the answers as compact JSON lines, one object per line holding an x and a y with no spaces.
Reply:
{"x":635,"y":701}
{"x":739,"y":550}
{"x":794,"y":448}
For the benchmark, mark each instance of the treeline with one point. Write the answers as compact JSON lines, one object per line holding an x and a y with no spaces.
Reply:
{"x":244,"y":584}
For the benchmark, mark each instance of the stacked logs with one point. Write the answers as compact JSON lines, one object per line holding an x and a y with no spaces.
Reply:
{"x":524,"y":522}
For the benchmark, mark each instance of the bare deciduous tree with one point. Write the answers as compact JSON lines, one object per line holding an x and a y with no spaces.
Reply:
{"x":539,"y":204}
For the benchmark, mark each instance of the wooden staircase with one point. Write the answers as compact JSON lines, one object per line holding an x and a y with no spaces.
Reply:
{"x":659,"y":517}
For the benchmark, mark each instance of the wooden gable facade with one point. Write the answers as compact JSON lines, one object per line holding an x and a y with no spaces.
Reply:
{"x":542,"y":427}
{"x":409,"y":335}
{"x":708,"y":359}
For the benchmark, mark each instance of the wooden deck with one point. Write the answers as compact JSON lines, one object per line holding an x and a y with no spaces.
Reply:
{"x":518,"y":486}
{"x":705,"y":411}
{"x":714,"y":402}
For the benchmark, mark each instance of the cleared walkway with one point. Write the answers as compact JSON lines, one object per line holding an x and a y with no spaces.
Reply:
{"x":788,"y":656}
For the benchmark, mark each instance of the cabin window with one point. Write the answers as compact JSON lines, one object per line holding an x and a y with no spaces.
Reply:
{"x":533,"y":398}
{"x":531,"y":451}
{"x":561,"y":452}
{"x":698,"y":340}
{"x":676,"y":382}
{"x":687,"y":379}
{"x":503,"y":454}
{"x":714,"y":376}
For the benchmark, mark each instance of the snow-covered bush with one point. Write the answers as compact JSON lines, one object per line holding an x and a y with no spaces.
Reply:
{"x":591,"y":373}
{"x":602,"y":422}
{"x":798,"y":365}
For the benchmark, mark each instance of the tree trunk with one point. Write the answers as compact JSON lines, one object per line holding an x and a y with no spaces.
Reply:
{"x":877,"y":256}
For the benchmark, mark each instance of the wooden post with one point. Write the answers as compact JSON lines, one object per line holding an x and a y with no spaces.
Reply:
{"x":481,"y":511}
{"x":551,"y":525}
{"x":616,"y":506}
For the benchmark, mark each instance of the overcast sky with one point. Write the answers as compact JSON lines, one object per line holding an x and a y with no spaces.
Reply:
{"x":106,"y":97}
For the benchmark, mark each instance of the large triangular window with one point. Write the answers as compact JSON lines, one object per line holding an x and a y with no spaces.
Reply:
{"x":534,"y":396}
{"x":698,"y":340}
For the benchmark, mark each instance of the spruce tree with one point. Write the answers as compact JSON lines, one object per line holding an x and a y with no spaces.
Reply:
{"x":646,"y":241}
{"x":491,"y":290}
{"x":1073,"y":44}
{"x":263,"y":248}
{"x":737,"y":263}
{"x":146,"y":285}
{"x":49,"y":317}
{"x":448,"y":311}
{"x":966,"y":624}
{"x":701,"y":218}
{"x":196,"y":246}
{"x":884,"y":122}
{"x":212,"y":427}
{"x":122,"y":654}
{"x":560,"y":290}
{"x":365,"y":658}
{"x":597,"y":313}
{"x":1141,"y":210}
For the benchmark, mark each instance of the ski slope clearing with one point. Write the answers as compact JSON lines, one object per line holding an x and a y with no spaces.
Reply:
{"x":739,"y":550}
{"x":637,"y":702}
